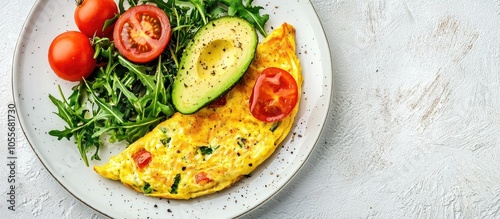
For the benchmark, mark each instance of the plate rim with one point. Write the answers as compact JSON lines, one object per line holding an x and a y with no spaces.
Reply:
{"x":325,"y":54}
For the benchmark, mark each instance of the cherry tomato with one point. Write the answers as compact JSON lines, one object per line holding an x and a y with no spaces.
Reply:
{"x":142,"y":33}
{"x":71,"y":56}
{"x":201,"y":177}
{"x":142,"y":158}
{"x":274,"y":95}
{"x":90,"y":16}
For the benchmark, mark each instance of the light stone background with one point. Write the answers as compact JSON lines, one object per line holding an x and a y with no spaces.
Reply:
{"x":414,"y":129}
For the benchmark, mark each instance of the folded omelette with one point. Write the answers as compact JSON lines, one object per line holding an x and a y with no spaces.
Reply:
{"x":188,"y":156}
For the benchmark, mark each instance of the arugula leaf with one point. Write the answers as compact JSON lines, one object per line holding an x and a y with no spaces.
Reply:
{"x":110,"y":21}
{"x":139,"y":70}
{"x":64,"y":111}
{"x":200,"y":6}
{"x":159,"y":93}
{"x":128,"y":94}
{"x":66,"y":133}
{"x":106,"y":106}
{"x":250,"y":13}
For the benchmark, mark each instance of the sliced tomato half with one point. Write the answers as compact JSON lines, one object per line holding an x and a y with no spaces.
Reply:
{"x":142,"y":33}
{"x":274,"y":95}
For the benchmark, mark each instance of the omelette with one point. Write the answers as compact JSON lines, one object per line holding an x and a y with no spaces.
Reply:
{"x":188,"y":156}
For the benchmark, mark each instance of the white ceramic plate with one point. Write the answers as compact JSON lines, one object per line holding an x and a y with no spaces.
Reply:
{"x":33,"y":81}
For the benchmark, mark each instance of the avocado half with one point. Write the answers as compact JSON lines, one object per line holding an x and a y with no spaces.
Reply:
{"x":213,"y":62}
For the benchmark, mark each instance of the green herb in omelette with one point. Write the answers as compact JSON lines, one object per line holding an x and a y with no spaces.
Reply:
{"x":175,"y":185}
{"x":146,"y":189}
{"x":206,"y":150}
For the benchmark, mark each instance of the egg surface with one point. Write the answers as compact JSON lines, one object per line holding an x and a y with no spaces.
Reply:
{"x":188,"y":156}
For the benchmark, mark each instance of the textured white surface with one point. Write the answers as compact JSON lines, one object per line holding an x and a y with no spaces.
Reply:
{"x":413,"y":132}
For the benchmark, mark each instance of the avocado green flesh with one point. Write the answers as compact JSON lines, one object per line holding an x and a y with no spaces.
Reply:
{"x":213,"y":62}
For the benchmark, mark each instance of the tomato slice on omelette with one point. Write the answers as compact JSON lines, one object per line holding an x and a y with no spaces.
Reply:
{"x":188,"y":156}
